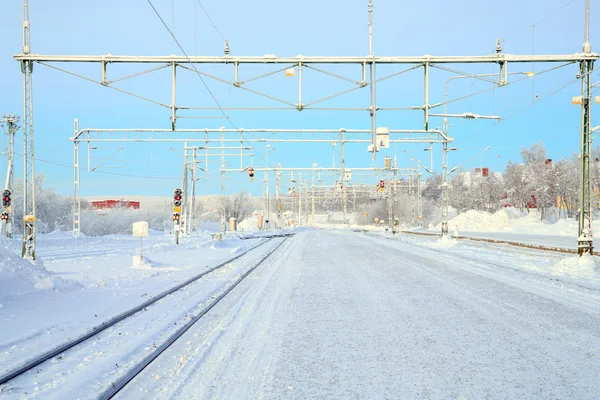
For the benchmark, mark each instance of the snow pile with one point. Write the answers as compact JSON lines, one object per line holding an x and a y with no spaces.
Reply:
{"x":20,"y":276}
{"x":445,"y":242}
{"x":510,"y":220}
{"x":585,"y":267}
{"x":249,"y":224}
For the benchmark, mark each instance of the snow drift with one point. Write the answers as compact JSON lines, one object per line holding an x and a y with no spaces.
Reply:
{"x":20,"y":276}
{"x":510,"y":220}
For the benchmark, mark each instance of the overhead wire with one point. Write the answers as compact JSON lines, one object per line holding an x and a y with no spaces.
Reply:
{"x":198,"y":72}
{"x":553,"y":92}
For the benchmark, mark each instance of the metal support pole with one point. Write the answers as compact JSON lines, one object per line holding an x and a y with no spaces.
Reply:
{"x":585,"y":234}
{"x":313,"y":196}
{"x":426,"y":95}
{"x":585,"y":243}
{"x":29,"y":233}
{"x":11,"y":122}
{"x":277,"y":189}
{"x":373,"y":109}
{"x":392,"y":203}
{"x":419,"y":197}
{"x":173,"y":95}
{"x":193,"y":203}
{"x":343,"y":172}
{"x":76,"y":183}
{"x":299,"y":197}
{"x":372,"y":86}
{"x":411,"y":188}
{"x":267,"y":189}
{"x":184,"y":206}
{"x":370,"y":27}
{"x":444,"y":187}
{"x":300,"y":106}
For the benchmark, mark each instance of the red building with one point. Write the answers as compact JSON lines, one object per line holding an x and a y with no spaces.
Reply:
{"x":108,"y":204}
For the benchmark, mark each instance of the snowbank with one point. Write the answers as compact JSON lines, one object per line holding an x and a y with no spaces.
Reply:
{"x":510,"y":220}
{"x":19,"y":276}
{"x":586,"y":267}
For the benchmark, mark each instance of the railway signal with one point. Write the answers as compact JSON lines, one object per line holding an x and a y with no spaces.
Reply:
{"x":177,"y":223}
{"x":6,"y":200}
{"x":4,"y":217}
{"x":177,"y":197}
{"x":251,"y":174}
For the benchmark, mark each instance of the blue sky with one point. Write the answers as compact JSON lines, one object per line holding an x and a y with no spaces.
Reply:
{"x":311,"y":27}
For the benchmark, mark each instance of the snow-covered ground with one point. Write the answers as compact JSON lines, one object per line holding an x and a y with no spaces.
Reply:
{"x":342,"y":315}
{"x":75,"y":284}
{"x":331,"y":314}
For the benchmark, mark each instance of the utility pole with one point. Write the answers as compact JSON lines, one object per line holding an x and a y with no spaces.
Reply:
{"x":444,"y":187}
{"x":411,"y":189}
{"x":277,"y":189}
{"x":267,"y":180}
{"x":372,"y":86}
{"x":11,"y":127}
{"x":299,"y":197}
{"x":419,"y":197}
{"x":313,"y":195}
{"x":585,"y":243}
{"x":193,"y":202}
{"x":76,"y":182}
{"x":343,"y":172}
{"x":29,"y":231}
{"x":184,"y":216}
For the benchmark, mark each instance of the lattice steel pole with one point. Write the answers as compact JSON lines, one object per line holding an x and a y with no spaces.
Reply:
{"x":76,"y":182}
{"x":444,"y":186}
{"x":28,"y":249}
{"x":585,"y":243}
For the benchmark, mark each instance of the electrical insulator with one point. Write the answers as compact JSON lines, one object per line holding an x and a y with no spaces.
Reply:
{"x":226,"y":48}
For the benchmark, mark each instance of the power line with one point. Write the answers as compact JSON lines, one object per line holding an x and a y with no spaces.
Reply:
{"x":567,"y":84}
{"x":199,"y":75}
{"x":191,"y":64}
{"x":210,"y":19}
{"x":540,"y":21}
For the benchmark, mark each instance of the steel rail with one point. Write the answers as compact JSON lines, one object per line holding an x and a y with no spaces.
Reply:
{"x":496,"y":241}
{"x":118,"y":385}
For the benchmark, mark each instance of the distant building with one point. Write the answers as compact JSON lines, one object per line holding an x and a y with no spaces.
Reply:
{"x":108,"y":204}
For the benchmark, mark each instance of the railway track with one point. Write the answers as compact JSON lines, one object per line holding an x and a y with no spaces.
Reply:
{"x":496,"y":241}
{"x":63,"y":349}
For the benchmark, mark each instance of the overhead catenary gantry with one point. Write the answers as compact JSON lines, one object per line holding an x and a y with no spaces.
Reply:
{"x":365,"y":76}
{"x":222,"y":136}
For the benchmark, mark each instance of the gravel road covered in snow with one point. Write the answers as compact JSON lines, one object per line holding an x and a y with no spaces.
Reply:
{"x":339,"y":314}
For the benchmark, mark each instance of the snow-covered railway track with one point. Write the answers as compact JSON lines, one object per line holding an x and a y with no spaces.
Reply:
{"x":497,"y":241}
{"x":55,"y":355}
{"x":133,"y":372}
